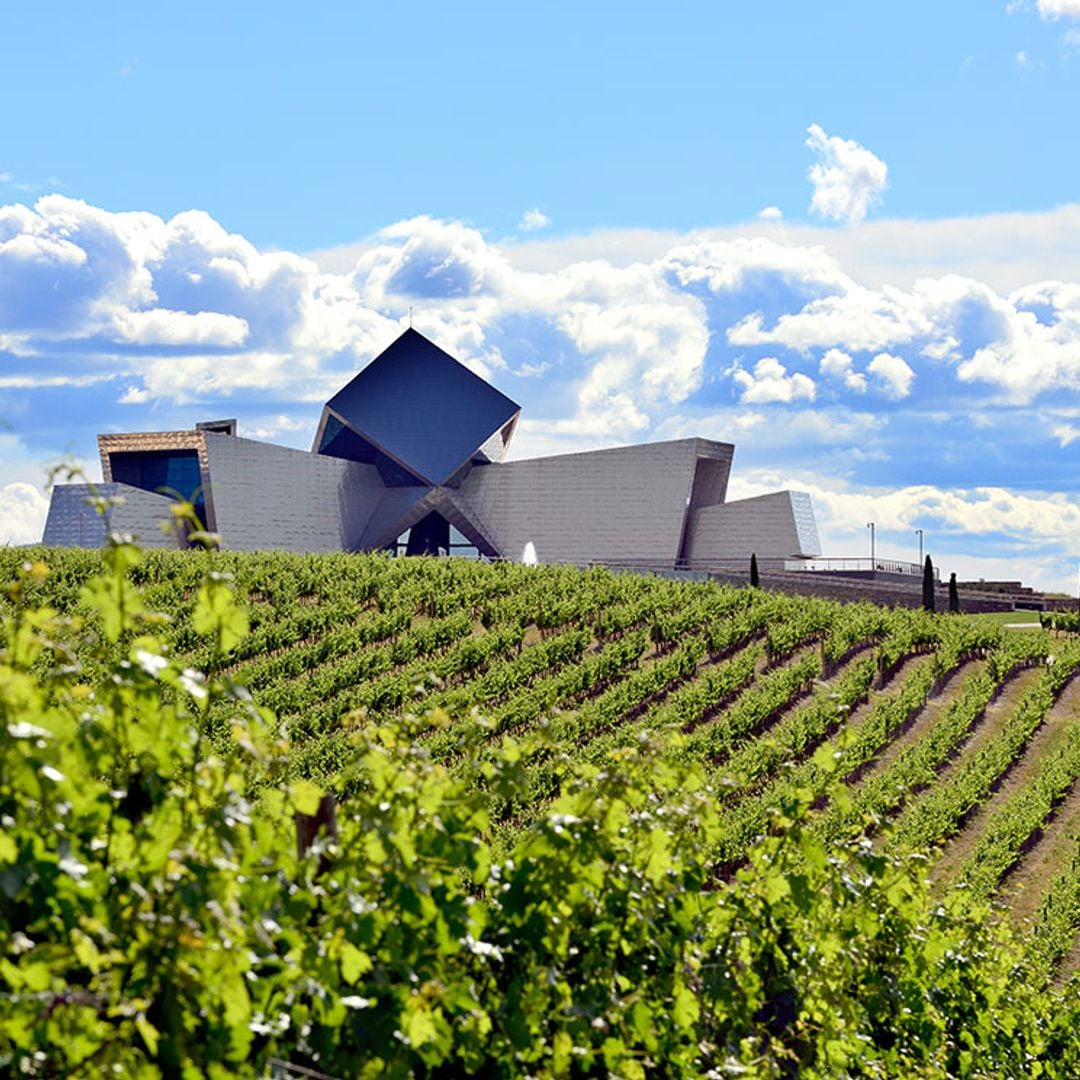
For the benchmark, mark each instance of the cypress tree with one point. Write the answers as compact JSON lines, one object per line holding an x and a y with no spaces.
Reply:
{"x":928,"y":586}
{"x":954,"y":595}
{"x":755,"y":579}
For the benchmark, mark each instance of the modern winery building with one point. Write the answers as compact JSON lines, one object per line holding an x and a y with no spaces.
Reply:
{"x":409,"y":456}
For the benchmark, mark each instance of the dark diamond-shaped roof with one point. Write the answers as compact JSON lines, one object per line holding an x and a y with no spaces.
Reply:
{"x":422,"y":408}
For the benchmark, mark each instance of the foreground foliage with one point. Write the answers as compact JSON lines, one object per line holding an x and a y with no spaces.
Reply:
{"x":156,"y":919}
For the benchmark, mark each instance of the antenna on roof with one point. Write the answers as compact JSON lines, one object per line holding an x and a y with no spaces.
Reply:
{"x":410,"y":316}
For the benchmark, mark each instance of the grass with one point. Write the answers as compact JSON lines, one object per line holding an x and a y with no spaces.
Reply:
{"x":1009,"y":618}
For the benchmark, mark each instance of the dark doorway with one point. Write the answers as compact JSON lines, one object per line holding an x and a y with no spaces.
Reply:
{"x":429,"y":536}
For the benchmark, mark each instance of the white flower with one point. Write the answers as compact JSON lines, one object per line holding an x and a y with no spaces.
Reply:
{"x":482,"y":948}
{"x":73,"y":868}
{"x":150,"y":662}
{"x":194,"y":682}
{"x":23,"y":730}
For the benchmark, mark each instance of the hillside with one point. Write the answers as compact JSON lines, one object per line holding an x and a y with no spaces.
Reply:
{"x":907,"y":737}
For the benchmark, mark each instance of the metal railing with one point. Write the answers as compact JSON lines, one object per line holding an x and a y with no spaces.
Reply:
{"x":856,"y":564}
{"x":829,"y":565}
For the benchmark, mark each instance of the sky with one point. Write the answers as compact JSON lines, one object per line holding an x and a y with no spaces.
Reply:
{"x":843,"y":236}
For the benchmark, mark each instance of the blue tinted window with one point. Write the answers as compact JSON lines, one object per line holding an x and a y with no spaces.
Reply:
{"x":342,"y":442}
{"x":168,"y":472}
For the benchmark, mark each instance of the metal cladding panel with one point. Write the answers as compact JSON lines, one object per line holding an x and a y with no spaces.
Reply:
{"x":457,"y":510}
{"x":605,"y":505}
{"x":398,"y":509}
{"x":805,"y":523}
{"x":269,"y":496}
{"x":422,"y":407}
{"x":72,"y":522}
{"x":771,"y":526}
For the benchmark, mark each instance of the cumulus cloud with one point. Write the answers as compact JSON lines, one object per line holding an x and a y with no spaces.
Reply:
{"x":836,"y":364}
{"x":770,"y":381}
{"x":847,"y":178}
{"x":184,"y":310}
{"x":534,"y":219}
{"x":976,"y":511}
{"x":893,"y":373}
{"x":22,"y":513}
{"x":771,"y":213}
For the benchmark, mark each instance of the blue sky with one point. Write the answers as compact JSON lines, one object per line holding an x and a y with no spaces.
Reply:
{"x":844,"y":236}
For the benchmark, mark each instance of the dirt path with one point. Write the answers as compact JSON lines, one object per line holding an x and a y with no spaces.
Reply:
{"x":1026,"y":887}
{"x":923,"y":720}
{"x":1045,"y":740}
{"x":993,"y":721}
{"x":1069,"y":965}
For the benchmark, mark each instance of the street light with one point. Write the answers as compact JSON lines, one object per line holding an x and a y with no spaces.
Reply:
{"x":873,"y":545}
{"x":919,"y":534}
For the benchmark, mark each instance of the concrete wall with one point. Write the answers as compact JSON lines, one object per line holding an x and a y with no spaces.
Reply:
{"x":267,"y":496}
{"x":627,"y":503}
{"x":778,"y":525}
{"x":74,"y":523}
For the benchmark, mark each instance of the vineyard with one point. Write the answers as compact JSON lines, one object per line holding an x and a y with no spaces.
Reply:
{"x":582,"y":823}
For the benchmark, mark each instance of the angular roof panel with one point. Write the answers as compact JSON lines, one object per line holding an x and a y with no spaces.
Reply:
{"x":421,"y":407}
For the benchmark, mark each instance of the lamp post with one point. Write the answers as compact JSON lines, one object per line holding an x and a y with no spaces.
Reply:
{"x":919,"y":534}
{"x":873,"y":545}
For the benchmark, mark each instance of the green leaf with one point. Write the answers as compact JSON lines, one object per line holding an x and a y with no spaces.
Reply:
{"x":685,"y":1008}
{"x":148,"y":1032}
{"x":826,"y":757}
{"x":562,"y":1048}
{"x":305,"y":796}
{"x":419,"y":1026}
{"x":777,"y":888}
{"x":218,"y":615}
{"x":354,"y":962}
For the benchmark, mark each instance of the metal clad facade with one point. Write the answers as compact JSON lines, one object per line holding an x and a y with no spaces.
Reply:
{"x":765,"y":526}
{"x":72,"y":522}
{"x":275,"y":497}
{"x":611,"y":505}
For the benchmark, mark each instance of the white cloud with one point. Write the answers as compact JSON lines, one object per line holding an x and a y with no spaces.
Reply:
{"x":783,"y":427}
{"x":633,"y":325}
{"x":847,"y":178}
{"x":281,"y":425}
{"x":532,"y":371}
{"x":771,"y":213}
{"x":837,"y":365}
{"x":1057,"y":9}
{"x":893,"y":373}
{"x":38,"y":382}
{"x":22,"y":513}
{"x":988,"y":532}
{"x":161,"y":327}
{"x":979,"y":511}
{"x":1065,"y":434}
{"x":534,"y":219}
{"x":770,"y":382}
